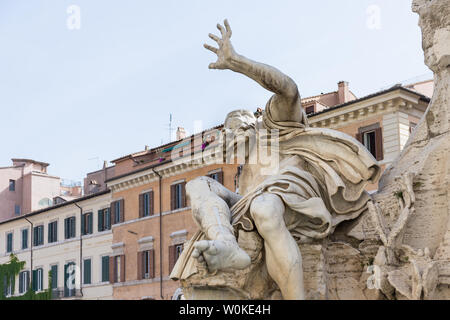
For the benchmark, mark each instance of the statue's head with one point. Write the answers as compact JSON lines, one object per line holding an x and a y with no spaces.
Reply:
{"x":239,"y":119}
{"x":434,"y":20}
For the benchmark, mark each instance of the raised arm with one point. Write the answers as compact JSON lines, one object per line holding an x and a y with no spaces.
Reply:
{"x":285,"y":104}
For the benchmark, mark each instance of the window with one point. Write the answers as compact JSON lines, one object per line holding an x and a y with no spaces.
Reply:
{"x":87,"y":271}
{"x":69,"y":228}
{"x":17,"y":209}
{"x":309,"y":110}
{"x":69,"y":279}
{"x":86,"y":223}
{"x":104,"y":220}
{"x":146,"y":204}
{"x":174,"y":253}
{"x":24,"y":281}
{"x":53,"y":232}
{"x":12,"y":185}
{"x":24,"y":239}
{"x":8,"y":285}
{"x":54,"y":275}
{"x":371,"y":137}
{"x":38,"y":279}
{"x":218,"y":176}
{"x":38,"y":236}
{"x":146,"y":267}
{"x":9,"y":242}
{"x":117,"y":211}
{"x":105,"y":268}
{"x":178,"y":196}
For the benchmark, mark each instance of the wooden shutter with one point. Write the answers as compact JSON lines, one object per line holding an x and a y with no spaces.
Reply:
{"x":122,"y":210}
{"x":140,"y":265}
{"x":100,"y":218}
{"x":152,"y":263}
{"x":183,"y":194}
{"x":72,"y":227}
{"x":66,"y":228}
{"x":151,"y":205}
{"x":87,"y":271}
{"x":173,"y":197}
{"x":141,"y":205}
{"x":122,"y":268}
{"x":21,"y":281}
{"x":107,"y":215}
{"x":359,"y":137}
{"x":379,"y":144}
{"x":49,"y":232}
{"x":171,"y":258}
{"x":112,"y":212}
{"x":220,"y":177}
{"x":83,"y":224}
{"x":90,"y":222}
{"x":112,"y":270}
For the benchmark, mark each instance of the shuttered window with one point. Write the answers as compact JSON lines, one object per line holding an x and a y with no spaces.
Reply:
{"x":372,"y":139}
{"x":69,"y":227}
{"x":104,"y":220}
{"x":54,"y":276}
{"x":24,"y":281}
{"x":218,"y":176}
{"x":87,"y":271}
{"x":178,"y":196}
{"x":69,"y":279}
{"x":38,"y":279}
{"x":86,"y":223}
{"x":9,"y":242}
{"x":105,"y":268}
{"x":117,"y":211}
{"x":117,"y":269}
{"x":174,"y":254}
{"x":146,"y":205}
{"x":146,"y":264}
{"x":38,"y":236}
{"x":53,"y":232}
{"x":24,"y":238}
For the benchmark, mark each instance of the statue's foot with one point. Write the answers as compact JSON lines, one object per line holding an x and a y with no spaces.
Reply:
{"x":221,"y":255}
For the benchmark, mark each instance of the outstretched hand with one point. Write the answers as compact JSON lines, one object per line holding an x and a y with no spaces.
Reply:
{"x":225,"y":52}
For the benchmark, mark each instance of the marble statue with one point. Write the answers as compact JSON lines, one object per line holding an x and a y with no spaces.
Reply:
{"x":318,"y":183}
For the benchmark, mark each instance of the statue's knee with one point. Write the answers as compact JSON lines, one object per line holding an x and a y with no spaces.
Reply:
{"x":267,"y":211}
{"x":197,"y":185}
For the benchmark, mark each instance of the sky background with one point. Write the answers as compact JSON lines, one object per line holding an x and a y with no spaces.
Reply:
{"x":76,"y":97}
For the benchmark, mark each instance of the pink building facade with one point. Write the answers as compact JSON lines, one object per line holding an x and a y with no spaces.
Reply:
{"x":26,"y":186}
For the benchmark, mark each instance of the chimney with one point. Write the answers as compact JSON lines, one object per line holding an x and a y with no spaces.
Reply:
{"x":146,"y":148}
{"x":181,"y":133}
{"x":105,"y":164}
{"x":343,"y":92}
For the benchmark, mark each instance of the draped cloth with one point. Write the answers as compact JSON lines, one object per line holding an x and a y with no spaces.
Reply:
{"x":327,"y":189}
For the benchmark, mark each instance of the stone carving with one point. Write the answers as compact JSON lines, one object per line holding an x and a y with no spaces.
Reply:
{"x":248,"y":246}
{"x":393,"y":245}
{"x":414,"y":260}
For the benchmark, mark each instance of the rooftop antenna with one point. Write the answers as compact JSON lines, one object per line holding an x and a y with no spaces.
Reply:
{"x":170,"y":127}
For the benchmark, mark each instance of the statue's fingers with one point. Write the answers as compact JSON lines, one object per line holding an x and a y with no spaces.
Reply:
{"x":227,"y":26}
{"x":200,"y":259}
{"x":195,"y":253}
{"x":201,"y":245}
{"x":215,"y":38}
{"x":222,"y":30}
{"x":212,"y":66}
{"x":210,"y":48}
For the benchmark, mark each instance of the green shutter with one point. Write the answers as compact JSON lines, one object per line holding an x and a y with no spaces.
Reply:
{"x":87,"y":271}
{"x":90,"y":222}
{"x":108,"y":219}
{"x":54,"y":277}
{"x":34,"y":281}
{"x":100,"y":220}
{"x":105,"y":269}
{"x":72,"y":227}
{"x":83,"y":230}
{"x":66,"y":228}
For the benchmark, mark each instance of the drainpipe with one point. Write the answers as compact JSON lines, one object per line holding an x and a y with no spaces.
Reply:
{"x":160,"y":236}
{"x":31,"y":252}
{"x":81,"y":250}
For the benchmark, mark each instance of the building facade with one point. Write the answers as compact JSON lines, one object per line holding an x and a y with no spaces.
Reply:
{"x":66,"y":241}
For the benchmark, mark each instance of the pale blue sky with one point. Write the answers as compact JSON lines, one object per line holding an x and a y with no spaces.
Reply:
{"x":106,"y":90}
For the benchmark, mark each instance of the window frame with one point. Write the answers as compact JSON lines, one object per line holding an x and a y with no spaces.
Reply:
{"x":53,"y":231}
{"x":9,"y":242}
{"x":12,"y":183}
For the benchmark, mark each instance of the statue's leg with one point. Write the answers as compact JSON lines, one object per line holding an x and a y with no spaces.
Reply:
{"x":210,"y":202}
{"x":283,"y":258}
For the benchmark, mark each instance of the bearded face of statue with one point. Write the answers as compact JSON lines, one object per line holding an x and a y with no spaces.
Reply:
{"x":239,"y":119}
{"x":434,"y":20}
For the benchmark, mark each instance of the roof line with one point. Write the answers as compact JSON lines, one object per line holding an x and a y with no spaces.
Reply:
{"x":33,"y":213}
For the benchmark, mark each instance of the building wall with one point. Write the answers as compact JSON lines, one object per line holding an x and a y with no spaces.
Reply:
{"x":64,"y":250}
{"x":8,"y":199}
{"x":134,"y":229}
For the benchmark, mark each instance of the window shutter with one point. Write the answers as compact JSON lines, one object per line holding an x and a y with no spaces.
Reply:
{"x":359,"y":137}
{"x":151,"y":206}
{"x":122,"y":268}
{"x":183,"y":194}
{"x":54,"y":271}
{"x":91,"y":215}
{"x":83,"y":224}
{"x":66,"y":228}
{"x":50,"y":233}
{"x":34,"y":280}
{"x":107,"y":214}
{"x":141,"y":205}
{"x":27,"y":282}
{"x":21,"y":282}
{"x":111,"y":270}
{"x":171,"y":258}
{"x":55,"y":231}
{"x":172,"y":197}
{"x":100,"y":216}
{"x":122,"y":210}
{"x":140,"y":265}
{"x":112,"y":212}
{"x":220,"y":177}
{"x":152,"y":263}
{"x":87,"y":271}
{"x":379,"y":144}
